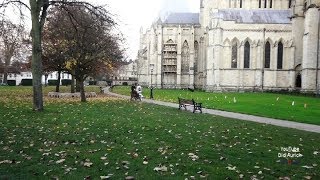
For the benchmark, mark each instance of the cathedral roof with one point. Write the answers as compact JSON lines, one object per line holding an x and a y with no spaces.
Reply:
{"x":182,"y":18}
{"x":254,"y":16}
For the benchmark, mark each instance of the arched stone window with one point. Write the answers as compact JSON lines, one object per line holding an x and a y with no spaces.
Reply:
{"x":259,"y":3}
{"x":185,"y":58}
{"x":246,"y":55}
{"x":280,"y":55}
{"x":267,"y":55}
{"x":234,"y":55}
{"x":290,"y":3}
{"x":196,"y":55}
{"x":298,"y":76}
{"x":270,"y":3}
{"x":265,"y":3}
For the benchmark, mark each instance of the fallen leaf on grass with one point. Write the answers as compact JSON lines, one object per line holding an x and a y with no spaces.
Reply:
{"x":193,"y":156}
{"x":307,"y":167}
{"x":161,"y":168}
{"x":6,"y":162}
{"x":87,"y":164}
{"x":60,"y":161}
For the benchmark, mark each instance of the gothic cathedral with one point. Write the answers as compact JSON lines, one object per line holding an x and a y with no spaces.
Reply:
{"x":235,"y":45}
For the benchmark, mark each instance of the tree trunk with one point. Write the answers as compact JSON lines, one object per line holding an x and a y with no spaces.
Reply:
{"x":82,"y":92}
{"x":58,"y":82}
{"x":36,"y":57}
{"x":72,"y":84}
{"x":77,"y":85}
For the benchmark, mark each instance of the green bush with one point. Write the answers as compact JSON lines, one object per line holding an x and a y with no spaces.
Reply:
{"x":11,"y":82}
{"x":26,"y":82}
{"x":66,"y":82}
{"x":52,"y":82}
{"x":92,"y":82}
{"x":125,"y":83}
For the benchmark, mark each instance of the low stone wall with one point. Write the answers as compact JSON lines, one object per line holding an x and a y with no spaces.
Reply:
{"x":70,"y":95}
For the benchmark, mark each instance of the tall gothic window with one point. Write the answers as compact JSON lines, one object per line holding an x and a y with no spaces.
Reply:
{"x":280,"y":56}
{"x":265,"y":3}
{"x":267,"y":55}
{"x":259,"y":3}
{"x":234,"y":55}
{"x":185,"y":57}
{"x":196,"y":55}
{"x":270,"y":3}
{"x":240,"y":3}
{"x":246,"y":55}
{"x":290,"y":3}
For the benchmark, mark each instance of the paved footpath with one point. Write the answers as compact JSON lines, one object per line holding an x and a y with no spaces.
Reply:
{"x":245,"y":117}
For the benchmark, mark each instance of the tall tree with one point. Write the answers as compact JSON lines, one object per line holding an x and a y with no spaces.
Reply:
{"x":12,"y":40}
{"x":85,"y":40}
{"x":38,"y":9}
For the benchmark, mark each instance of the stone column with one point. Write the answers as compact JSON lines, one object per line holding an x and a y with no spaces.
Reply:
{"x":179,"y":43}
{"x":297,"y":30}
{"x":159,"y":56}
{"x":311,"y":52}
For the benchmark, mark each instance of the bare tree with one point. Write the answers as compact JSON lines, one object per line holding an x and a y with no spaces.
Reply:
{"x":38,"y":10}
{"x":12,"y":41}
{"x":84,"y":39}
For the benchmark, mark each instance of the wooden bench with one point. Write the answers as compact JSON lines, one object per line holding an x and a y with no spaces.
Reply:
{"x":187,"y":102}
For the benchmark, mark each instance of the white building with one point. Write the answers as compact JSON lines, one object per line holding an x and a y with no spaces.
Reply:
{"x":126,"y":74}
{"x":235,"y":45}
{"x":28,"y":75}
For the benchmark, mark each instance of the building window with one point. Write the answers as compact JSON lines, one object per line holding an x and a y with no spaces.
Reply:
{"x":234,"y":55}
{"x":270,"y":3}
{"x":298,"y":81}
{"x":265,"y":3}
{"x":259,"y":3}
{"x":280,"y":56}
{"x":240,"y":3}
{"x":290,"y":3}
{"x":247,"y":55}
{"x":185,"y":57}
{"x":267,"y":55}
{"x":196,"y":55}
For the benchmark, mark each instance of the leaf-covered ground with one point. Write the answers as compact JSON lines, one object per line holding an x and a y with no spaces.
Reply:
{"x":111,"y":138}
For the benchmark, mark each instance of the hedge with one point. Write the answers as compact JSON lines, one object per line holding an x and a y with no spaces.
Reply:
{"x":11,"y":82}
{"x":26,"y":82}
{"x":52,"y":82}
{"x":92,"y":82}
{"x":66,"y":82}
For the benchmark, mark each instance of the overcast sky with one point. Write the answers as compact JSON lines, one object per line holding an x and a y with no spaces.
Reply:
{"x":134,"y":14}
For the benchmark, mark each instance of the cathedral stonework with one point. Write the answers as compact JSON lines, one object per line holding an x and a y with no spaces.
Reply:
{"x":235,"y":45}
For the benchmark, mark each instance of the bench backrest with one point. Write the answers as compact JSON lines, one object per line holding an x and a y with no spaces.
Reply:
{"x":186,"y":101}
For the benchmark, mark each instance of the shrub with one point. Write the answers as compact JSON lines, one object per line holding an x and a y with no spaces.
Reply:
{"x":26,"y":82}
{"x":11,"y":82}
{"x":52,"y":82}
{"x":66,"y":82}
{"x":125,"y":83}
{"x":92,"y":82}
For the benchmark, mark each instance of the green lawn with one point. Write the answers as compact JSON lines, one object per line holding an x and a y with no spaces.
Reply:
{"x":119,"y":138}
{"x":279,"y":106}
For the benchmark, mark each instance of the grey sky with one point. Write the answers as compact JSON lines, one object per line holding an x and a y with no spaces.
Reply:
{"x":134,"y":14}
{"x":141,"y":13}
